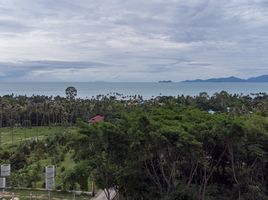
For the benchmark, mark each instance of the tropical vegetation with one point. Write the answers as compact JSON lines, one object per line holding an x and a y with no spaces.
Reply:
{"x":168,"y":148}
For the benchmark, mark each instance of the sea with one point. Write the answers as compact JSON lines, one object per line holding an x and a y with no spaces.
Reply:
{"x":146,"y":89}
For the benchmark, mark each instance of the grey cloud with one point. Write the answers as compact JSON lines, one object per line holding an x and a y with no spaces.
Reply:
{"x":63,"y":64}
{"x":107,"y":39}
{"x":13,"y":26}
{"x":49,"y":64}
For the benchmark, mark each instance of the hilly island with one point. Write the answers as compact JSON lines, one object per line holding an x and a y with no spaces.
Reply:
{"x":258,"y":79}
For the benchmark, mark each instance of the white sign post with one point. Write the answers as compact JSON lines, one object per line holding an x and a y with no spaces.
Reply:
{"x":2,"y":184}
{"x":50,"y":178}
{"x":4,"y":172}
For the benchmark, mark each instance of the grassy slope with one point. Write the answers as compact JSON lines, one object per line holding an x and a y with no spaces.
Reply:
{"x":9,"y":141}
{"x":15,"y":136}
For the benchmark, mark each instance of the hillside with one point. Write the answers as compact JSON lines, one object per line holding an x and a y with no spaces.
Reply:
{"x":263,"y":78}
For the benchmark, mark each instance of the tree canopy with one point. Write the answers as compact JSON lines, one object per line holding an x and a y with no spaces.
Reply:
{"x":164,"y":148}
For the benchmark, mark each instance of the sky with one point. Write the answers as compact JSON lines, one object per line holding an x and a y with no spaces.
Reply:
{"x":132,"y":40}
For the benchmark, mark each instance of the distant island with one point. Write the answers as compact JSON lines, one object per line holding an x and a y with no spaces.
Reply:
{"x":164,"y":81}
{"x":258,"y":79}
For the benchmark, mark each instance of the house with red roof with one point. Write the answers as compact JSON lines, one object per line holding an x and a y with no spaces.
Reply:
{"x":96,"y":119}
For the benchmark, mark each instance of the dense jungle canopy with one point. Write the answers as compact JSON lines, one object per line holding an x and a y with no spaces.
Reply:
{"x":202,"y":147}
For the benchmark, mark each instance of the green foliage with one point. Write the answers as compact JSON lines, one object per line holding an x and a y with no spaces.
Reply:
{"x":165,"y":148}
{"x":172,"y":152}
{"x":70,"y":92}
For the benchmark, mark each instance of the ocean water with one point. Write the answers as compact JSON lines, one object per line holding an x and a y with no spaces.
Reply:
{"x":147,"y":90}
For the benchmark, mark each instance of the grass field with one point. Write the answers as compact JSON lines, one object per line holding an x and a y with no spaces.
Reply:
{"x":16,"y":135}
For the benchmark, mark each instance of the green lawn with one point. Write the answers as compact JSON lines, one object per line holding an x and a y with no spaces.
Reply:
{"x":14,"y":136}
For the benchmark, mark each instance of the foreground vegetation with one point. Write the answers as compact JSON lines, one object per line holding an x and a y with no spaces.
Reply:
{"x":165,"y":148}
{"x":29,"y":153}
{"x":41,"y":195}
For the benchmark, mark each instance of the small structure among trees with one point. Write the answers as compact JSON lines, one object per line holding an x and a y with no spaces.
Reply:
{"x":96,"y":119}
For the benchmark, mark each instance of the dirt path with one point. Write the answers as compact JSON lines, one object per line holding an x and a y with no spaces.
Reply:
{"x":102,"y":196}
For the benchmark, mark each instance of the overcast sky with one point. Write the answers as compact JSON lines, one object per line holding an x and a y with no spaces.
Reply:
{"x":132,"y":40}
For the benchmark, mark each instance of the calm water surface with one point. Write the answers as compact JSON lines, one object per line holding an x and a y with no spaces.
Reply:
{"x":147,"y":90}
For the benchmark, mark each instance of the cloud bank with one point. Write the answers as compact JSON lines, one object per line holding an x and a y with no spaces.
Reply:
{"x":132,"y":40}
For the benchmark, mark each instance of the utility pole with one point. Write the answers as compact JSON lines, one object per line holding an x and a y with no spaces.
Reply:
{"x":73,"y":194}
{"x":50,"y":179}
{"x":4,"y":172}
{"x":93,"y":189}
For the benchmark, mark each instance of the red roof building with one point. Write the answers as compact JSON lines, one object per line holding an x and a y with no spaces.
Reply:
{"x":97,"y":118}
